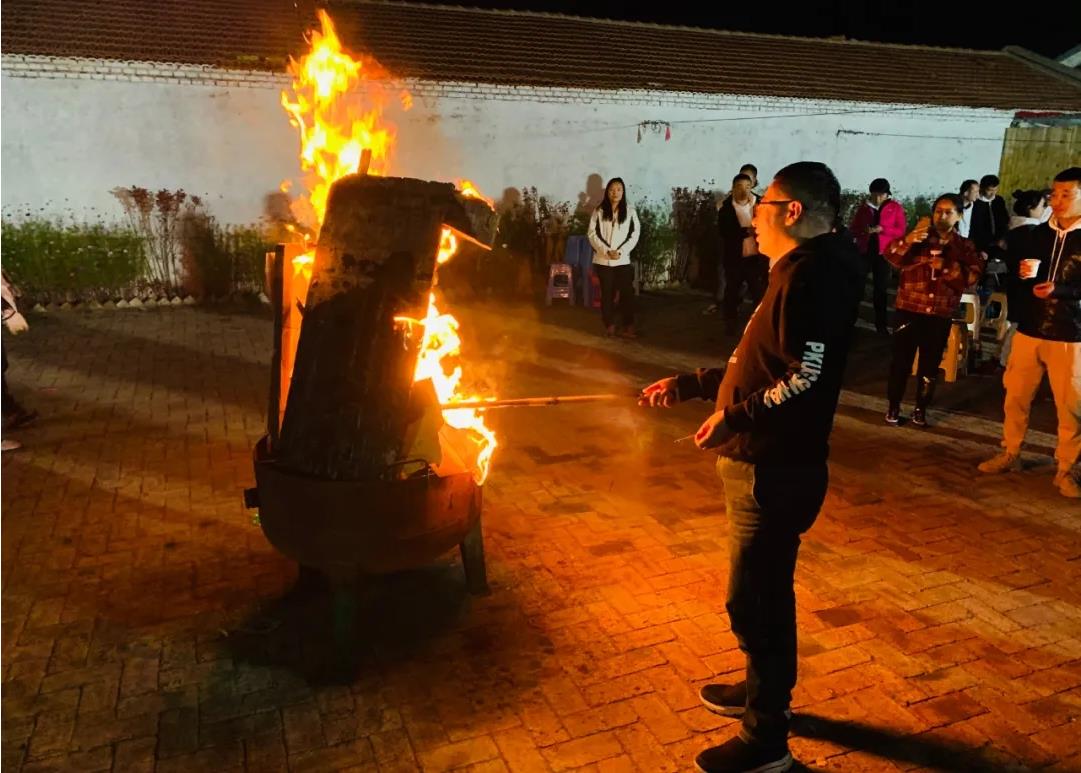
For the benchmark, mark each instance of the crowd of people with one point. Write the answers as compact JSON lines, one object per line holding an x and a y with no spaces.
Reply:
{"x":968,"y":245}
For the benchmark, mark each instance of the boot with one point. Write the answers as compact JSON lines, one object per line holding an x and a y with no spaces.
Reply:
{"x":925,"y":392}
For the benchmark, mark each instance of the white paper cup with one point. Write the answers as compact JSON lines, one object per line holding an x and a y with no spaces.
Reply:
{"x":1028,"y":268}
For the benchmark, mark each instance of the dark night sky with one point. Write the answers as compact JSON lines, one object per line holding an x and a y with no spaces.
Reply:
{"x":956,"y":24}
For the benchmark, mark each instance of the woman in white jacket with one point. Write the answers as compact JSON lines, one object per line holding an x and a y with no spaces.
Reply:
{"x":613,"y":231}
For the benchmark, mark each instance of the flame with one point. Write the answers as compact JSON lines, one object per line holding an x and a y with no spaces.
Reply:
{"x":470,"y":191}
{"x":439,"y":344}
{"x":322,"y":105}
{"x":334,"y":131}
{"x":448,"y":245}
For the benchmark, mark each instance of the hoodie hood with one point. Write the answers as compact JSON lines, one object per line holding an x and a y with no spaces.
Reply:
{"x":1059,"y":247}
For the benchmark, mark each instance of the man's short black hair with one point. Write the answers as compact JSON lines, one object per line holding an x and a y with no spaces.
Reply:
{"x":966,"y":185}
{"x":879,"y":185}
{"x":1070,"y":175}
{"x":741,"y":177}
{"x":749,"y":167}
{"x":989,"y":181}
{"x":815,"y":186}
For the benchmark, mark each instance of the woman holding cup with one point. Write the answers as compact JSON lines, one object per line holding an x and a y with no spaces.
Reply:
{"x":937,"y":264}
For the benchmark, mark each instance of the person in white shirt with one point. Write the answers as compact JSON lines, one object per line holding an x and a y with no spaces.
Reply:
{"x":970,"y":191}
{"x":614,"y":231}
{"x":743,"y":265}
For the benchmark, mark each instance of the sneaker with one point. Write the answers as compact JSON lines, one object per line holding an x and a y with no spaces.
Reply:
{"x":919,"y":417}
{"x":713,"y":308}
{"x":10,"y":445}
{"x":893,"y":416}
{"x":1067,"y":484}
{"x":728,"y":700}
{"x":739,"y":756}
{"x":1004,"y":462}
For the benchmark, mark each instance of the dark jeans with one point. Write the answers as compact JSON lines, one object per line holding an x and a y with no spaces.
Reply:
{"x":880,"y":271}
{"x":768,"y":507}
{"x":752,"y":271}
{"x":10,"y":406}
{"x":913,"y":332}
{"x":615,"y":279}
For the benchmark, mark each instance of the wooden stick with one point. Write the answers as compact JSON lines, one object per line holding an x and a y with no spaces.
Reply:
{"x":532,"y":402}
{"x":365,"y":161}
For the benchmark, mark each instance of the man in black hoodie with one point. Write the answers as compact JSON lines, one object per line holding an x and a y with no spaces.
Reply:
{"x":774,"y":411}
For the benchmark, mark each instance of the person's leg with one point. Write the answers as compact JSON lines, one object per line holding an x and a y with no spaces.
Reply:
{"x":880,"y":271}
{"x":905,"y":343}
{"x":768,"y":509}
{"x":733,"y":288}
{"x":934,"y":335}
{"x":625,"y":285}
{"x":1064,"y":372}
{"x":1007,"y":343}
{"x":606,"y":275}
{"x":757,"y":277}
{"x":1024,"y":372}
{"x":10,"y":406}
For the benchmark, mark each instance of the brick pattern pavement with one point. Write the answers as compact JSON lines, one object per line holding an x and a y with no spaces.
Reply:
{"x":147,"y":624}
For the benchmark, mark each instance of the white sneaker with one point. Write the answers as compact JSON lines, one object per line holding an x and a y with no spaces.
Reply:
{"x":1067,"y":484}
{"x":1004,"y":462}
{"x":10,"y":445}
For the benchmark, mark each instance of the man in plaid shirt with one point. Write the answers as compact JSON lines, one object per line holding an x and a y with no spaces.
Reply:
{"x":936,"y":265}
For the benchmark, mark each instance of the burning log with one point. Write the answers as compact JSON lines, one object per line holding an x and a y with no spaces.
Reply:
{"x":348,"y":404}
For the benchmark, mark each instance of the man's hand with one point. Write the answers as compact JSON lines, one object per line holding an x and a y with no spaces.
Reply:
{"x":713,"y":432}
{"x":17,"y":323}
{"x":660,"y":394}
{"x":1044,"y":289}
{"x":874,"y":229}
{"x":613,"y":255}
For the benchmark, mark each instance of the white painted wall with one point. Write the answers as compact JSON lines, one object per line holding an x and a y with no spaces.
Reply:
{"x":74,"y":129}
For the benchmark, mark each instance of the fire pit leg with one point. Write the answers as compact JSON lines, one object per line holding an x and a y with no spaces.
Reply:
{"x":472,"y":547}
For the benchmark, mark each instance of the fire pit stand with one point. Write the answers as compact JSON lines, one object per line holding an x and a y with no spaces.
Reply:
{"x":326,"y":494}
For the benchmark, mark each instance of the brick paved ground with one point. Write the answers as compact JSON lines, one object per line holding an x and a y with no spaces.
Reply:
{"x":148,"y":625}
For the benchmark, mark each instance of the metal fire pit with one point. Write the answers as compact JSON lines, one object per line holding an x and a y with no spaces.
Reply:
{"x":347,"y":528}
{"x":343,"y":528}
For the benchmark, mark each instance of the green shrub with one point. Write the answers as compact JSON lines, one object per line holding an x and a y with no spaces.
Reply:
{"x":65,"y":260}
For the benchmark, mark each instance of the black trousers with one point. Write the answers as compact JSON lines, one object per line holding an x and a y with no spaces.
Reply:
{"x":615,"y":279}
{"x":879,"y":269}
{"x":752,"y":271}
{"x":769,"y":508}
{"x":914,"y":332}
{"x":10,"y":406}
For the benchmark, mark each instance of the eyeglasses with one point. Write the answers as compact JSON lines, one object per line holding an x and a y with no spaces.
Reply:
{"x":774,"y":201}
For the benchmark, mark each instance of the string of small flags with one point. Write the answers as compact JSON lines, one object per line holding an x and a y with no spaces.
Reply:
{"x":655,"y":127}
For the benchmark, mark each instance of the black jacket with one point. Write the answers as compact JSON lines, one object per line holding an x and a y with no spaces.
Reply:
{"x":990,"y":221}
{"x":780,"y":389}
{"x":1057,"y":318}
{"x":732,"y":233}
